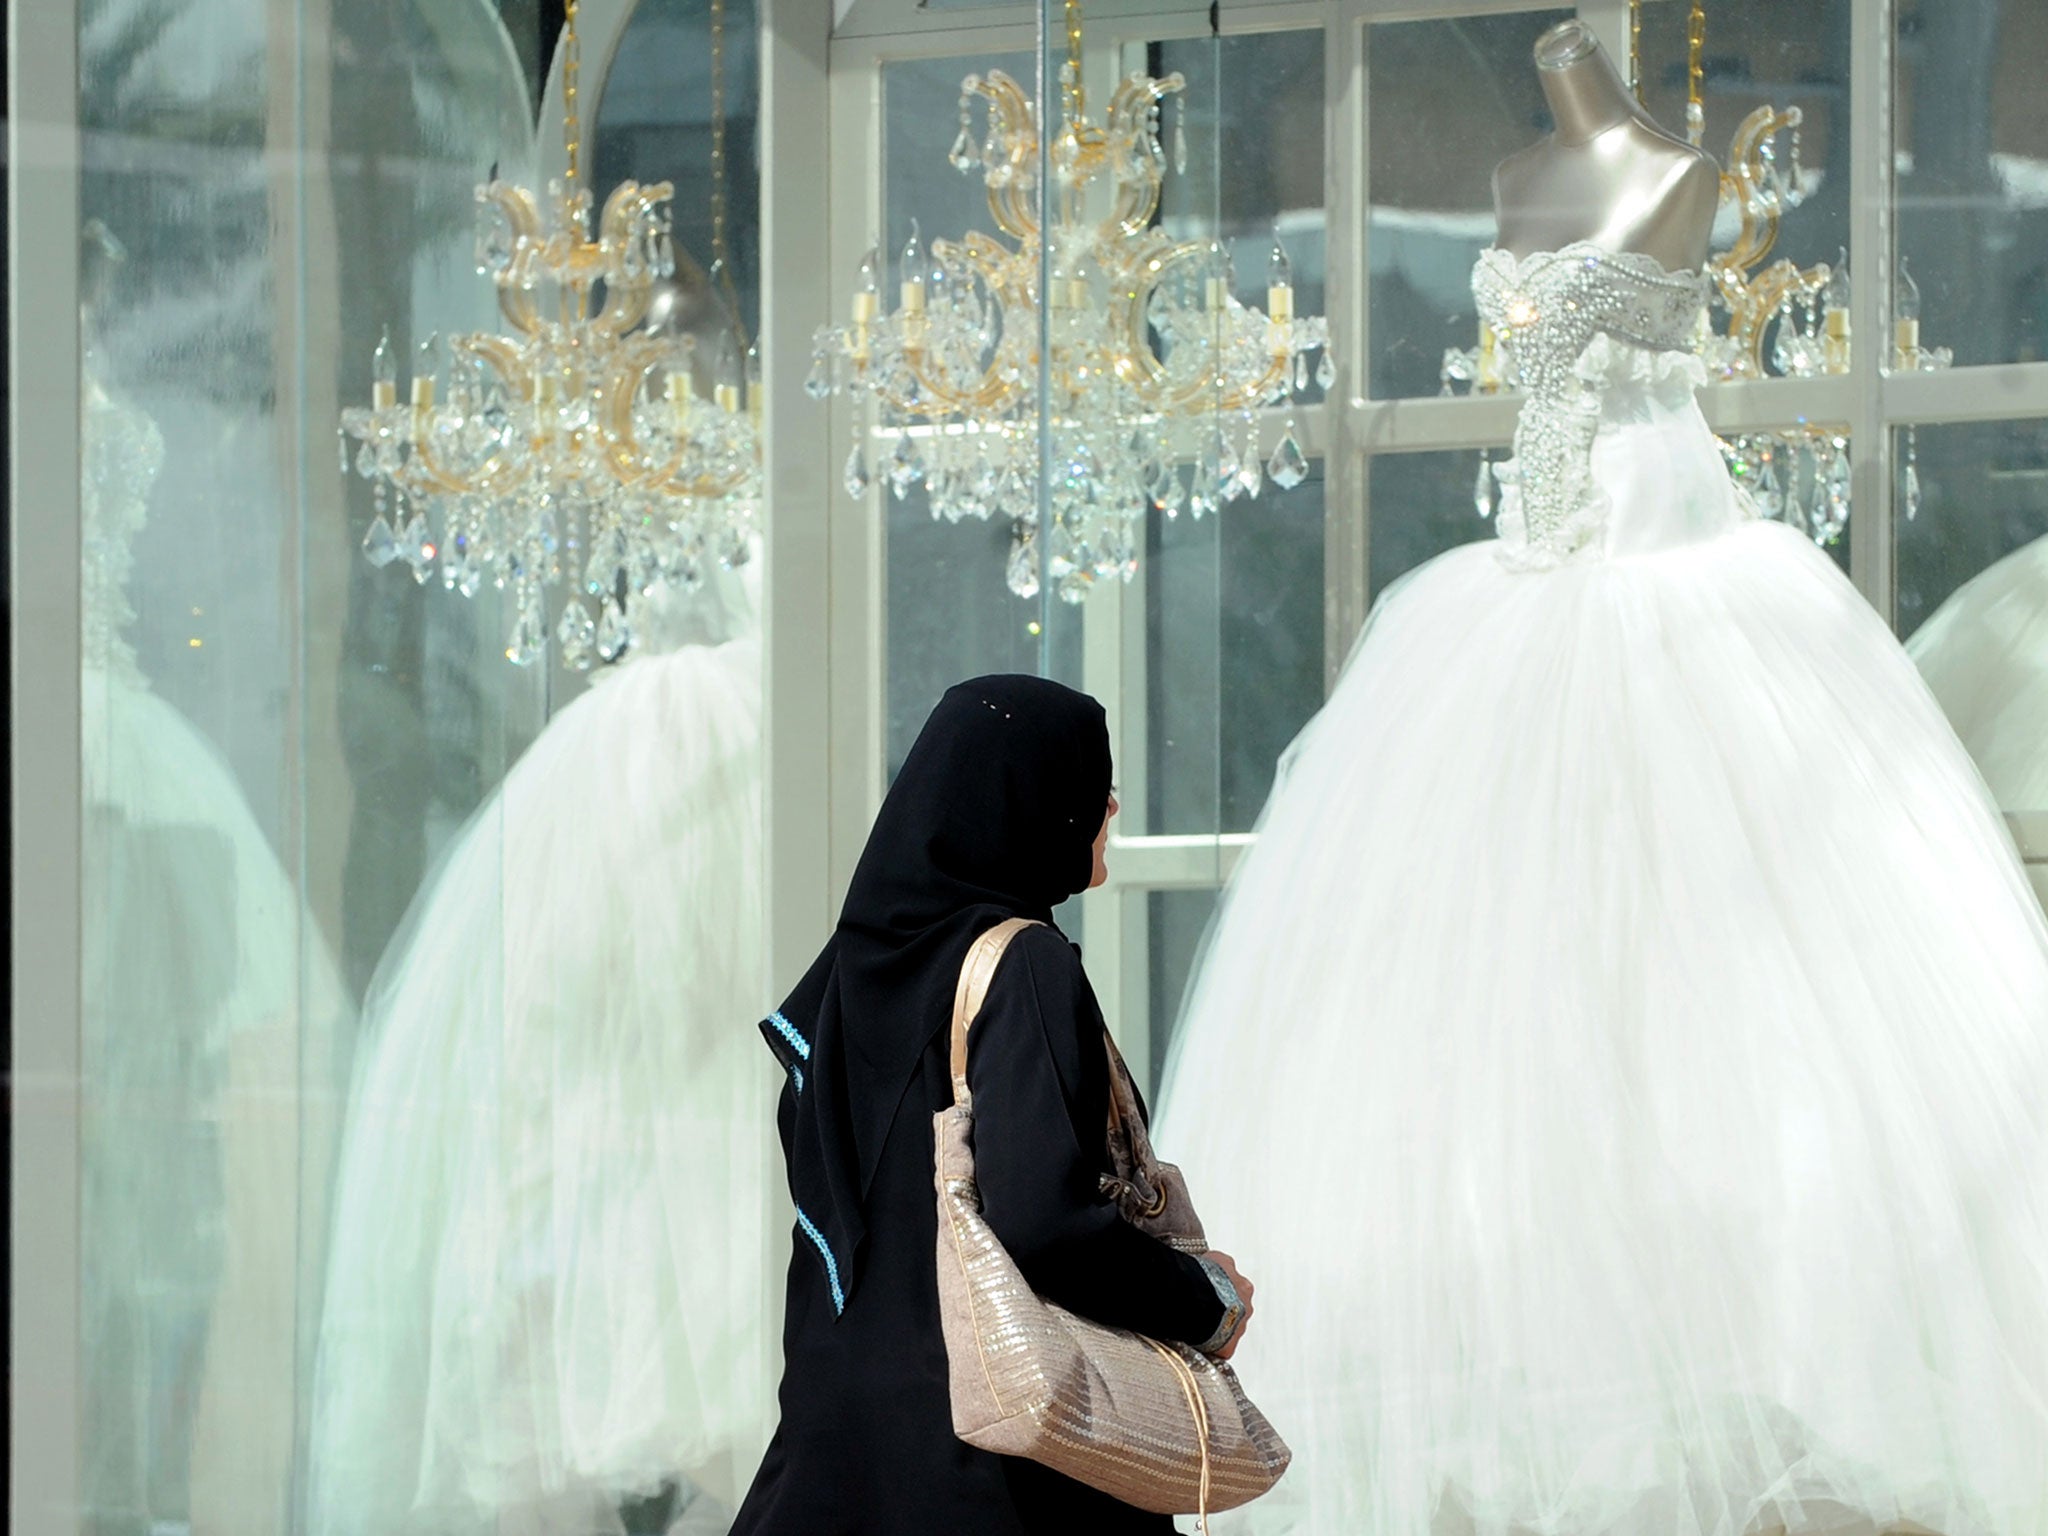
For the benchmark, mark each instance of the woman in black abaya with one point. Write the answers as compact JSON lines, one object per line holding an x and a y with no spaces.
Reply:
{"x":1001,"y":810}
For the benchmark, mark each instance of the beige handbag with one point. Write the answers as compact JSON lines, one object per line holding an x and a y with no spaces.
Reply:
{"x":1158,"y":1425}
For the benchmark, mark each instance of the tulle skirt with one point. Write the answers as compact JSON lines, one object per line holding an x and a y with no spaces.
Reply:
{"x":546,"y":1289}
{"x":1622,"y":1066}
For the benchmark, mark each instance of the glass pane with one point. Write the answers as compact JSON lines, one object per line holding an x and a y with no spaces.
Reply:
{"x":1234,"y":641}
{"x":1252,"y":114}
{"x":951,"y":614}
{"x":1973,"y":595}
{"x":1972,"y":184}
{"x":1423,"y":504}
{"x":1447,"y":101}
{"x":1179,"y":919}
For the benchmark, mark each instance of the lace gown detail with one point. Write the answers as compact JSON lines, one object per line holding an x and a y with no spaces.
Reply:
{"x":1552,"y":306}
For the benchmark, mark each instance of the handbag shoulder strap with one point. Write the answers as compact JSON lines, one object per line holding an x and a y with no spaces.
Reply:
{"x":976,"y":971}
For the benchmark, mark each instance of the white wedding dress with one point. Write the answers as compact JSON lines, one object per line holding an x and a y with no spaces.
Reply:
{"x":1622,"y":1061}
{"x":546,"y":1288}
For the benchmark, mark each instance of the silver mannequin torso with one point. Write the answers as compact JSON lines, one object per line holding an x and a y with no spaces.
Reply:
{"x":1608,"y":174}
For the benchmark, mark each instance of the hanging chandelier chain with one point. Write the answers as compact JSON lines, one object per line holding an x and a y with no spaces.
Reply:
{"x":721,"y":254}
{"x":1635,"y":47}
{"x":572,"y":61}
{"x":718,"y":250}
{"x":1075,"y":97}
{"x":1695,"y":70}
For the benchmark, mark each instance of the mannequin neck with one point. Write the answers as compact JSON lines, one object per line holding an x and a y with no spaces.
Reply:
{"x":1587,"y":98}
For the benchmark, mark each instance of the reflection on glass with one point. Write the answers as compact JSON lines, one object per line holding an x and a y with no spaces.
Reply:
{"x":1448,"y":101}
{"x":1425,"y":503}
{"x":1973,"y":599}
{"x":950,"y":613}
{"x":545,"y":1303}
{"x":1234,"y":637}
{"x":547,"y":1283}
{"x":1972,"y":190}
{"x":269,"y":749}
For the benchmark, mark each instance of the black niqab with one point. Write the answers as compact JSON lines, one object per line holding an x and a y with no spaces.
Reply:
{"x":993,"y":816}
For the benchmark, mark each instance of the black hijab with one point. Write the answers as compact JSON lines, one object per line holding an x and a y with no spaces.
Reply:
{"x":993,"y":816}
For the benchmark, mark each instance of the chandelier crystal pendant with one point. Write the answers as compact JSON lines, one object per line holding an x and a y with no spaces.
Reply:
{"x":1154,"y":376}
{"x":571,"y":450}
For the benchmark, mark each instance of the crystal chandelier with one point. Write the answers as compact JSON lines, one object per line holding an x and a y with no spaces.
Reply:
{"x":571,"y":450}
{"x":1155,"y":374}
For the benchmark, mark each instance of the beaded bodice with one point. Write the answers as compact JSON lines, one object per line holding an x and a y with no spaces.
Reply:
{"x":1550,"y":308}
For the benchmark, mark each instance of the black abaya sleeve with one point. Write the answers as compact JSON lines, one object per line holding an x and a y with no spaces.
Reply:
{"x":1040,"y":1080}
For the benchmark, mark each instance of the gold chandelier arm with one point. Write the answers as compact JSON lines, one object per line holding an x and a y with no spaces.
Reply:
{"x":1139,"y":368}
{"x":493,"y":477}
{"x":1136,"y":365}
{"x":935,"y":398}
{"x":1008,"y":202}
{"x":1137,"y":182}
{"x":635,"y":359}
{"x":1754,"y":299}
{"x":515,"y":296}
{"x":625,"y":298}
{"x":1744,"y":174}
{"x":636,"y":469}
{"x":506,"y":360}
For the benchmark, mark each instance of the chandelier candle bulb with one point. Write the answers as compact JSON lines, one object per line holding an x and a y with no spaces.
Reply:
{"x":1834,"y":297}
{"x":1906,"y":318}
{"x":867,"y":295}
{"x":915,"y":269}
{"x":1836,"y":341}
{"x":384,"y":376}
{"x":1279,"y":284}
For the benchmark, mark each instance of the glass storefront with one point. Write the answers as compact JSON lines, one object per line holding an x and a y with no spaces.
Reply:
{"x":394,"y":1152}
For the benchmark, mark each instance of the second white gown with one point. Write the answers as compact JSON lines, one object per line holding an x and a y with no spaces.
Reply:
{"x":546,"y":1290}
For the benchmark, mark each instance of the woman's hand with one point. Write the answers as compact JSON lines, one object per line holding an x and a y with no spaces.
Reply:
{"x":1228,"y":1265}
